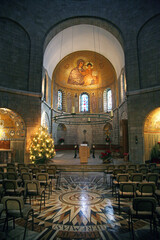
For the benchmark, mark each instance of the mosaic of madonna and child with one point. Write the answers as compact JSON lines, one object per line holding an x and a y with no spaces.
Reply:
{"x":83,"y":74}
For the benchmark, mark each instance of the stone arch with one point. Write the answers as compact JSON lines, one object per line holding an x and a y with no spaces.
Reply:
{"x":151,"y":131}
{"x":148,"y":43}
{"x":15,"y":51}
{"x":12,"y":134}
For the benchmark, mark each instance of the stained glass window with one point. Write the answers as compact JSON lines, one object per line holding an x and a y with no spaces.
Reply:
{"x":84,"y":102}
{"x":107,"y":100}
{"x":59,"y":100}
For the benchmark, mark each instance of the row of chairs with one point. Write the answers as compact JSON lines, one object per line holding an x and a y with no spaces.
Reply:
{"x":112,"y":172}
{"x":144,"y":197}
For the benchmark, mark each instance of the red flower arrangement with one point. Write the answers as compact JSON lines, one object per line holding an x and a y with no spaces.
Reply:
{"x":105,"y":155}
{"x":125,"y":154}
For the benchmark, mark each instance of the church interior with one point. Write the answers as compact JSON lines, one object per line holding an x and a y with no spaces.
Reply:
{"x":79,"y":119}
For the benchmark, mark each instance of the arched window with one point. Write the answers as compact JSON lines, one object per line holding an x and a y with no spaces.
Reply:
{"x":60,"y":100}
{"x":107,"y":100}
{"x":84,"y":102}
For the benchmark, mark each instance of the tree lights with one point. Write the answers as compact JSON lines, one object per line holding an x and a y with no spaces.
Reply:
{"x":42,"y":147}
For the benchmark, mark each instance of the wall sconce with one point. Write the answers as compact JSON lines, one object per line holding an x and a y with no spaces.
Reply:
{"x":136,"y":139}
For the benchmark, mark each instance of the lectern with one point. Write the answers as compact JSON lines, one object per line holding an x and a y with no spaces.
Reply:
{"x":84,"y":153}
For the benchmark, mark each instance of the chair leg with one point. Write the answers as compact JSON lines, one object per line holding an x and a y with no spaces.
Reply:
{"x":32,"y":220}
{"x":14,"y":222}
{"x":119,"y":203}
{"x":132,"y":227}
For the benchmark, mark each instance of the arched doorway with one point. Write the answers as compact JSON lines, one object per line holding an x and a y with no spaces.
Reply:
{"x":12,"y":136}
{"x":151,"y":132}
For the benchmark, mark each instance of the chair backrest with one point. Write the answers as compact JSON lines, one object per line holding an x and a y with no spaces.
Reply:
{"x":122,"y":166}
{"x":12,"y":175}
{"x":127,"y":187}
{"x":10,"y":185}
{"x":130,"y":170}
{"x":117,"y":171}
{"x":132,"y":166}
{"x":136,"y":177}
{"x":143,"y":204}
{"x":42,"y":167}
{"x":13,"y":205}
{"x":26,"y":176}
{"x":110,"y":167}
{"x":122,"y":177}
{"x":144,"y":170}
{"x":142,"y":165}
{"x":10,"y":165}
{"x":152,"y":165}
{"x":152,"y":177}
{"x":51,"y":171}
{"x":156,"y":170}
{"x":147,"y":187}
{"x":31,"y":165}
{"x":11,"y":169}
{"x":42,"y":177}
{"x":24,"y":169}
{"x":20,"y":165}
{"x":32,"y":186}
{"x":35,"y":170}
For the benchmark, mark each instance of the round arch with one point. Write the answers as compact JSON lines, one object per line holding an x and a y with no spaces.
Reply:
{"x":151,"y":131}
{"x":83,"y":37}
{"x":12,"y":135}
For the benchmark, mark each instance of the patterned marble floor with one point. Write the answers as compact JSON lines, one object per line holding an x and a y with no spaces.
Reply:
{"x":83,"y":208}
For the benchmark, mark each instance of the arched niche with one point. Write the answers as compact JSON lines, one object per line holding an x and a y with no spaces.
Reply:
{"x":45,"y":122}
{"x":151,"y":131}
{"x":12,"y":136}
{"x":107,"y":129}
{"x":61,"y":132}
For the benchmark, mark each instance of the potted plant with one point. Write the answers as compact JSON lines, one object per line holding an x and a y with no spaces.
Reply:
{"x":155,"y":153}
{"x":61,"y":141}
{"x":106,"y":156}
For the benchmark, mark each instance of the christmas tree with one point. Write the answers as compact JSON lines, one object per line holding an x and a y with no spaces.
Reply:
{"x":42,"y":147}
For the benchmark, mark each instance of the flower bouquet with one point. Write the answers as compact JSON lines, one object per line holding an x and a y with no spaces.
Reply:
{"x":106,"y":156}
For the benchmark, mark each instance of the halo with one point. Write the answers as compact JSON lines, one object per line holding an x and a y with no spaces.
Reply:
{"x":87,"y":63}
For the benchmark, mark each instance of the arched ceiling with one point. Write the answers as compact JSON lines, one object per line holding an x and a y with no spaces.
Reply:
{"x":83,"y":37}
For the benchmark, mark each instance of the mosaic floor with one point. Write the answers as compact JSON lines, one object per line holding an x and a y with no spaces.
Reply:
{"x":83,"y":208}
